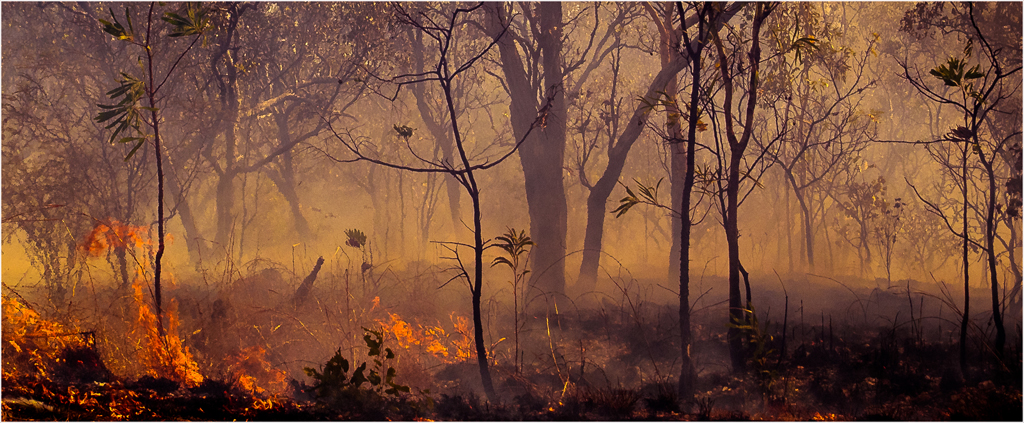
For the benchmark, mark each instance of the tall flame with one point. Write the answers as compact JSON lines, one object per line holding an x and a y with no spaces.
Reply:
{"x":167,"y":356}
{"x":162,"y":356}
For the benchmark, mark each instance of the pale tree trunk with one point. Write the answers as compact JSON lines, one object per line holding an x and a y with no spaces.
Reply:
{"x":541,"y":154}
{"x":284,"y":180}
{"x":227,"y":83}
{"x":441,"y":138}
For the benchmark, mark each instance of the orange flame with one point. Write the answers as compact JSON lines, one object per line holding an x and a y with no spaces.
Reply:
{"x":165,"y":357}
{"x":34,"y":339}
{"x":253,"y":373}
{"x":434,"y":340}
{"x":113,"y":235}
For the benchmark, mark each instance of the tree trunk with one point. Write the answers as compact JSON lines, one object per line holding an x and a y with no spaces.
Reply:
{"x":990,"y":250}
{"x":193,"y":239}
{"x":441,"y":138}
{"x":225,"y":210}
{"x":789,"y":229}
{"x":227,"y":83}
{"x":541,"y":154}
{"x":542,"y":163}
{"x":737,"y":147}
{"x":663,"y":82}
{"x":688,"y":373}
{"x":679,"y":172}
{"x":732,"y":238}
{"x":284,"y":179}
{"x":966,"y":264}
{"x":617,"y":155}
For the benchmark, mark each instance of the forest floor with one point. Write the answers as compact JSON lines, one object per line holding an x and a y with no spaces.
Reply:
{"x":247,"y":350}
{"x":869,"y":374}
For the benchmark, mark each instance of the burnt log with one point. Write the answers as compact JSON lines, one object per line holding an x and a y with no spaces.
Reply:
{"x":302,"y":293}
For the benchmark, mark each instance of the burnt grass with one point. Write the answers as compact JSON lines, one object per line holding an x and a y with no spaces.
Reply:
{"x":855,"y":373}
{"x":871,"y":356}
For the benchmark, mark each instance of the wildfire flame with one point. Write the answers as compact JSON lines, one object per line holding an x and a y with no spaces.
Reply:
{"x":28,"y":335}
{"x":252,"y":372}
{"x":448,"y":347}
{"x":164,"y":357}
{"x":113,"y":235}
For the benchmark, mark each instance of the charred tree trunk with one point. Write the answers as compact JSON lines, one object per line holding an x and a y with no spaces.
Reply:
{"x":737,"y":147}
{"x":990,"y":251}
{"x":688,"y":373}
{"x":967,"y":276}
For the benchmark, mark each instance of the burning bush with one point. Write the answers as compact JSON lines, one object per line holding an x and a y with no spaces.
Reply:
{"x":32,"y":344}
{"x":252,"y":373}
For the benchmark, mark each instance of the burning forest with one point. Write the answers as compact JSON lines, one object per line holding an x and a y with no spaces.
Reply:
{"x":511,"y":211}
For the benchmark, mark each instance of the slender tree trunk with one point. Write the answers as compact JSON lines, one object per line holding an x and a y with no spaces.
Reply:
{"x":441,"y":138}
{"x":990,"y":251}
{"x":789,"y":229}
{"x":732,"y":238}
{"x":478,"y":243}
{"x":230,"y":114}
{"x":618,"y":152}
{"x":1011,"y":252}
{"x":284,"y":179}
{"x":593,"y":240}
{"x":225,"y":209}
{"x":158,"y":259}
{"x":188,"y":221}
{"x":663,"y":82}
{"x":687,"y":373}
{"x":478,"y":325}
{"x":737,"y":147}
{"x":967,"y":291}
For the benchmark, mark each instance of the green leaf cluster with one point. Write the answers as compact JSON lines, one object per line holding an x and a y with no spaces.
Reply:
{"x":333,"y":383}
{"x":113,"y":27}
{"x":954,"y":72}
{"x":356,"y":238}
{"x":514,"y":245}
{"x":648,"y":195}
{"x":193,"y":22}
{"x":759,"y":343}
{"x":126,"y":114}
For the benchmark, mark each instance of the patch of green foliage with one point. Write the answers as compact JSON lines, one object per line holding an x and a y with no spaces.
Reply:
{"x":334,"y":384}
